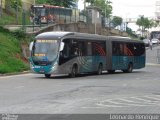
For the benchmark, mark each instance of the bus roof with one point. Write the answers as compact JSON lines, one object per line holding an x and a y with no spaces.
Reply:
{"x":48,"y":6}
{"x":61,"y":34}
{"x":53,"y":35}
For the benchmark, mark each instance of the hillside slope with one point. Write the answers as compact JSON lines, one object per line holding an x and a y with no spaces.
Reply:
{"x":10,"y":53}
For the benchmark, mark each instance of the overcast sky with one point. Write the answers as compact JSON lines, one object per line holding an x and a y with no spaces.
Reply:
{"x":131,"y":8}
{"x":134,"y":8}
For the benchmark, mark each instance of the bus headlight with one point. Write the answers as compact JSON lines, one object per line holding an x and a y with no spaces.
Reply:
{"x":54,"y":67}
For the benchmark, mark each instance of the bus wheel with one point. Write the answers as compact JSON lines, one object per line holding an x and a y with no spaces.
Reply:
{"x":99,"y":71}
{"x":111,"y":71}
{"x":47,"y":75}
{"x":129,"y":69}
{"x":73,"y":71}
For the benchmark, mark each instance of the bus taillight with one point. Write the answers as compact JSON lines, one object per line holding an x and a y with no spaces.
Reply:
{"x":43,"y":19}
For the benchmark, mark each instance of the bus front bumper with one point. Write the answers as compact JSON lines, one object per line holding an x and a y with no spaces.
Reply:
{"x":44,"y":69}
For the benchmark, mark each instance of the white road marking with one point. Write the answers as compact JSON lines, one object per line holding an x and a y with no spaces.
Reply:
{"x":125,"y":102}
{"x":150,"y":97}
{"x":19,"y":87}
{"x":152,"y":64}
{"x":122,"y":104}
{"x":141,"y":99}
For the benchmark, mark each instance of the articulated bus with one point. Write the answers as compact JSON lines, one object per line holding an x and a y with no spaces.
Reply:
{"x":76,"y":53}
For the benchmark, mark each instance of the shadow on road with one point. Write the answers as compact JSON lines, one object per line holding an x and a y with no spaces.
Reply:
{"x":118,"y":72}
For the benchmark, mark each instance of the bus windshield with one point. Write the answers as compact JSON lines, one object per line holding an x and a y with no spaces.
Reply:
{"x":45,"y":51}
{"x":40,"y":11}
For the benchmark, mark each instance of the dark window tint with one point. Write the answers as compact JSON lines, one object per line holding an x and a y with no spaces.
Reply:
{"x":139,"y":49}
{"x":117,"y":48}
{"x":128,"y":49}
{"x":99,"y":48}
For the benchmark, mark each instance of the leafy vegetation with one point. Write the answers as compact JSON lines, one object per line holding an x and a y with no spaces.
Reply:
{"x":104,"y":5}
{"x":145,"y":23}
{"x":64,"y":3}
{"x":16,"y":4}
{"x":131,"y":33}
{"x":7,"y":19}
{"x":117,"y":21}
{"x":10,"y":56}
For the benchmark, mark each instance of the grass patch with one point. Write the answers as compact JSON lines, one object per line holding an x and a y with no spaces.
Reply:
{"x":10,"y":54}
{"x":7,"y":19}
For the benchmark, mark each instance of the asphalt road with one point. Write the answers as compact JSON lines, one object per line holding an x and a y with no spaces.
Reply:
{"x":137,"y":92}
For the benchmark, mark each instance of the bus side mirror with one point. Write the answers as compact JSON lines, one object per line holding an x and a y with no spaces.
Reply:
{"x":62,"y":46}
{"x":31,"y":46}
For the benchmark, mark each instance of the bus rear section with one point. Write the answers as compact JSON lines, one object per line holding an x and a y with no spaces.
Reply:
{"x":127,"y":55}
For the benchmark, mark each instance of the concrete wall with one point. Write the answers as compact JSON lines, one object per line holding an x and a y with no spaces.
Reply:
{"x":83,"y":28}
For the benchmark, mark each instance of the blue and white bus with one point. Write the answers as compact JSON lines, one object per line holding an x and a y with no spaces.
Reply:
{"x":75,"y":53}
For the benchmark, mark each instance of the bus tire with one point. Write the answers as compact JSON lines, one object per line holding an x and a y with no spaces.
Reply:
{"x":129,"y":69}
{"x":100,"y":68}
{"x":47,"y":75}
{"x":111,"y":71}
{"x":73,"y":71}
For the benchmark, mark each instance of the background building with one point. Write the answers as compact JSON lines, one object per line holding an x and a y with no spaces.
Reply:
{"x":157,"y":13}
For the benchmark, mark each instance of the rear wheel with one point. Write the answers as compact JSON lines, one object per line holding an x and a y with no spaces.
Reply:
{"x":73,"y":71}
{"x":100,"y":68}
{"x":129,"y":69}
{"x":47,"y":75}
{"x":111,"y":71}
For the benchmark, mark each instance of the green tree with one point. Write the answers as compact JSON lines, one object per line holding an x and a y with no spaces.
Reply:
{"x":116,"y":21}
{"x":156,"y":23}
{"x":92,"y":2}
{"x":41,"y":1}
{"x":64,"y":3}
{"x":104,"y":5}
{"x":144,"y":23}
{"x":16,"y":4}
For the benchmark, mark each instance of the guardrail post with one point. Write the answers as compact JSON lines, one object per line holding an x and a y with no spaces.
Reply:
{"x":23,"y":20}
{"x":158,"y":56}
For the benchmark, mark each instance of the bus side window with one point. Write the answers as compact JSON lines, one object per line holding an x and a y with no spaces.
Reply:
{"x":74,"y":48}
{"x":121,"y":49}
{"x":89,"y":48}
{"x":117,"y":48}
{"x":66,"y":50}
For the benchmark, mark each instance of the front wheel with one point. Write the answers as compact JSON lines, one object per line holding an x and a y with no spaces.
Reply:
{"x":47,"y":75}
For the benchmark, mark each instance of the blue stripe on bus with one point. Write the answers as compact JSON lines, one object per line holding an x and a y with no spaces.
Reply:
{"x":121,"y":62}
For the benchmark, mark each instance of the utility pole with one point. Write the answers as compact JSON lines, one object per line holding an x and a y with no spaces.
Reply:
{"x":84,"y":4}
{"x":16,"y":11}
{"x":1,"y":9}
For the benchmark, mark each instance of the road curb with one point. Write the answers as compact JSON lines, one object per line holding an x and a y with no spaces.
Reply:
{"x":153,"y":64}
{"x":17,"y":73}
